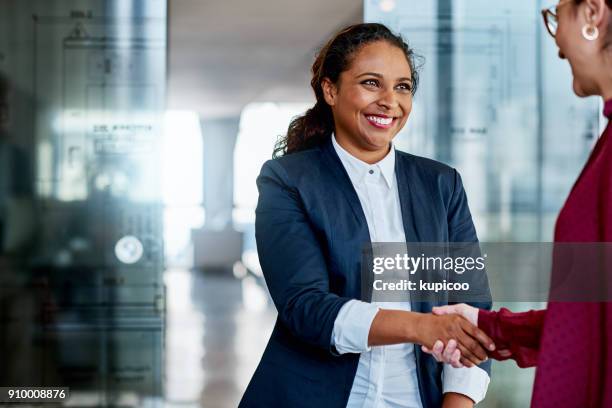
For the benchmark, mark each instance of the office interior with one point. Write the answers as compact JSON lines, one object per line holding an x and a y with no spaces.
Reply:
{"x":132,"y":132}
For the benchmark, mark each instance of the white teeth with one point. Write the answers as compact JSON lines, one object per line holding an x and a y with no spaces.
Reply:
{"x":380,"y":121}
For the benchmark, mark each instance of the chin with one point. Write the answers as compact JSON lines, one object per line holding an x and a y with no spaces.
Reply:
{"x":579,"y":89}
{"x":377,"y":142}
{"x":582,"y":90}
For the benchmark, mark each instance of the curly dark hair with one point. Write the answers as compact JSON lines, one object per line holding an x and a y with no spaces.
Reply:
{"x":317,"y":124}
{"x":608,"y":3}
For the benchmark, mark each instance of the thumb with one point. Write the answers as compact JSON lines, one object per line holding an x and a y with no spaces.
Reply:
{"x":443,"y":310}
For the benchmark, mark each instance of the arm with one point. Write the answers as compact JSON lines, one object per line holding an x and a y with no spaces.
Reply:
{"x":361,"y":325}
{"x":292,"y":260}
{"x":455,"y":400}
{"x":426,"y":329}
{"x":295,"y":270}
{"x":519,"y":333}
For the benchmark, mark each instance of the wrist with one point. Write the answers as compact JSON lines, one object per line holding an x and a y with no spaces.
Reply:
{"x":414,"y":321}
{"x":456,"y":400}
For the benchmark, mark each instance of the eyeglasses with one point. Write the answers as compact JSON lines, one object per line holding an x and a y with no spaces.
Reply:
{"x":550,"y":17}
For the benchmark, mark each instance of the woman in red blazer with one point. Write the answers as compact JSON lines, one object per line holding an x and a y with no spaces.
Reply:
{"x":571,"y":343}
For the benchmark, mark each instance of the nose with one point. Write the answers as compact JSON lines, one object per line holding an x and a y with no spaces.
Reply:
{"x":561,"y":54}
{"x":388,"y":99}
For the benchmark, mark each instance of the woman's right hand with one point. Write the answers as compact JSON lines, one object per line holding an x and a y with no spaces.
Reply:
{"x":472,"y":342}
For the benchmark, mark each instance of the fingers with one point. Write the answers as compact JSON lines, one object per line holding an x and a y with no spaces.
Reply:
{"x":467,"y":352}
{"x":479,"y":335}
{"x":469,"y":347}
{"x":448,"y":309}
{"x":449,"y":354}
{"x":456,"y":359}
{"x":467,"y":311}
{"x":449,"y":350}
{"x":438,"y":349}
{"x":474,"y":347}
{"x":435,"y":351}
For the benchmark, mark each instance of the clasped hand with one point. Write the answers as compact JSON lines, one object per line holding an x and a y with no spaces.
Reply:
{"x":462,"y":344}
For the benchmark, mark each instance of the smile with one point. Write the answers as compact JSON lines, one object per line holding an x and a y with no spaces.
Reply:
{"x":379,"y":121}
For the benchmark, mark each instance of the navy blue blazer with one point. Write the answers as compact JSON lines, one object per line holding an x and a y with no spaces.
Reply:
{"x":311,"y":231}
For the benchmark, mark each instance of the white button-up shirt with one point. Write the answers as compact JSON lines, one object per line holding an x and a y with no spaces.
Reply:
{"x":386,"y":375}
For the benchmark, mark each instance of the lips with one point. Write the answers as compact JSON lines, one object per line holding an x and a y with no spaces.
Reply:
{"x":380,"y":121}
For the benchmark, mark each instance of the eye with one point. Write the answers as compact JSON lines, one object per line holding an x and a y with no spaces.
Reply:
{"x":370,"y":82}
{"x":405,"y":86}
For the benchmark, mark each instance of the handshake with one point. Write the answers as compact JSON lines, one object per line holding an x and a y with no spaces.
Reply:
{"x":451,"y":335}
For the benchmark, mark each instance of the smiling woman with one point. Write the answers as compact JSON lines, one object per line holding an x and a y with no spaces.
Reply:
{"x":336,"y":185}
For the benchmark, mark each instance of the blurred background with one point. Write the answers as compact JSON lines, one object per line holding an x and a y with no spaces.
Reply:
{"x":131,"y":134}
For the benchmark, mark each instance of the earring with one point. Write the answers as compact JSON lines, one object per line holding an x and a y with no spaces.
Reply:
{"x":590,"y":32}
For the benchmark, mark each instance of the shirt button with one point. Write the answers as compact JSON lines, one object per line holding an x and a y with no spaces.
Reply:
{"x":371,"y":172}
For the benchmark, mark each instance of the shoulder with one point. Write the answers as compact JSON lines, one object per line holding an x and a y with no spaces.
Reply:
{"x":291,"y":168}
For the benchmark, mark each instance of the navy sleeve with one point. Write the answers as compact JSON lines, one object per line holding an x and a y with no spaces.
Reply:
{"x":292,"y":260}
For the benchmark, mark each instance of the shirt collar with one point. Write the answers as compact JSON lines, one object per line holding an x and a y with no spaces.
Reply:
{"x":358,"y":169}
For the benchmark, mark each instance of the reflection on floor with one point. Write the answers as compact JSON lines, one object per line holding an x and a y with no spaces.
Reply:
{"x":217,"y":329}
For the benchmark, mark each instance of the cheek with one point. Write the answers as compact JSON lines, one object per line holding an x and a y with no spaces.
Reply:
{"x":406,"y":109}
{"x":570,"y":41}
{"x":564,"y":37}
{"x":359,"y":97}
{"x":407,"y":106}
{"x":402,"y":123}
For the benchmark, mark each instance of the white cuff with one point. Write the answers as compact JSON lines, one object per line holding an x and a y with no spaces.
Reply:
{"x":352,"y":327}
{"x":471,"y":382}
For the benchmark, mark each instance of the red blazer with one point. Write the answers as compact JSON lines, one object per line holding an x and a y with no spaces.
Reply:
{"x":571,"y":343}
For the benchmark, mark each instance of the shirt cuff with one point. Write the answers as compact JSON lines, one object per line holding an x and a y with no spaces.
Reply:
{"x":471,"y":382}
{"x":352,"y":327}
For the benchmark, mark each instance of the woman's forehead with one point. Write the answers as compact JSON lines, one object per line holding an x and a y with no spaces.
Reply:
{"x":381,"y":57}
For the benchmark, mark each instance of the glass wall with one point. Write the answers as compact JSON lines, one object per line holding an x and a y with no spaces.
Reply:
{"x":81,"y":249}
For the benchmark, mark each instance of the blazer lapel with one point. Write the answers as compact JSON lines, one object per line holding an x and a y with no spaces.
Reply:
{"x":405,"y":186}
{"x":409,"y":194}
{"x":343,"y":182}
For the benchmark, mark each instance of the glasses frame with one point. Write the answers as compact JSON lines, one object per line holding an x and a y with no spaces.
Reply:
{"x":551,"y":12}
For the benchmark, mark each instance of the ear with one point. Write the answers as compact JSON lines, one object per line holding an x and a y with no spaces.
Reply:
{"x":596,"y":13}
{"x":330,"y":91}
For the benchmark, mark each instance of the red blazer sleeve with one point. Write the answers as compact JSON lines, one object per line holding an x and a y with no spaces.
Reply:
{"x":518,"y":332}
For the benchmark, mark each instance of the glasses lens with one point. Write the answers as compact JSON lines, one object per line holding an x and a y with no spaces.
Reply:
{"x":551,"y":22}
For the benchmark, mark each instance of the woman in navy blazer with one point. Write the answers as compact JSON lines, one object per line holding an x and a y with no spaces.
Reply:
{"x":311,"y":229}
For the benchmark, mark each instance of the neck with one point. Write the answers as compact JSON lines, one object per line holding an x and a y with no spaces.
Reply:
{"x":607,"y":93}
{"x":605,"y":85}
{"x":365,"y":155}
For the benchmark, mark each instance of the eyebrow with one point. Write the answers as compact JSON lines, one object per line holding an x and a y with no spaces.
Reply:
{"x":377,"y":75}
